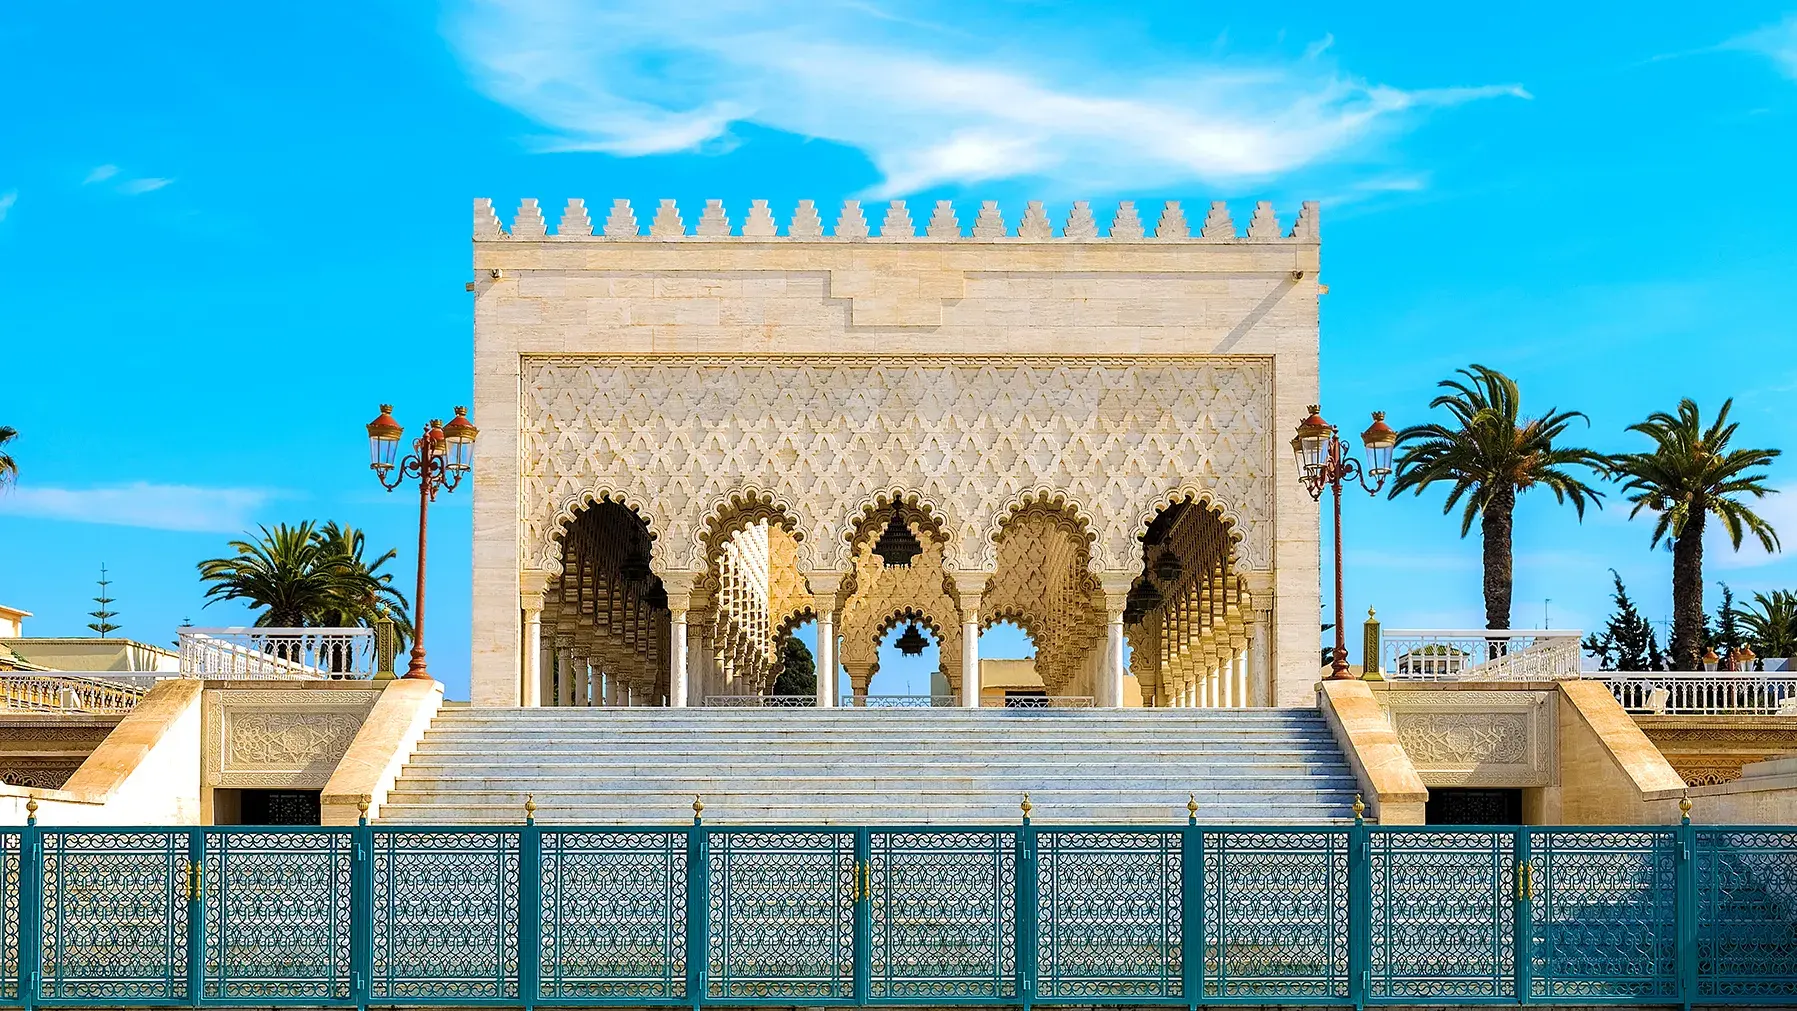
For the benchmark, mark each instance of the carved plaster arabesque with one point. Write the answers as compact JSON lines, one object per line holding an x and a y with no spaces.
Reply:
{"x":673,"y":437}
{"x":280,"y":739}
{"x":1483,"y":738}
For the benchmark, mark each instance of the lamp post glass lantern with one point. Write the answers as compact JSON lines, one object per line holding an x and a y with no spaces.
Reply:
{"x":441,"y":456}
{"x":1324,"y":463}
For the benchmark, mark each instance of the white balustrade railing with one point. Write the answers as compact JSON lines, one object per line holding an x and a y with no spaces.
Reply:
{"x":1703,"y":692}
{"x":268,"y":653}
{"x":897,"y":702}
{"x":64,"y":692}
{"x":1483,"y":654}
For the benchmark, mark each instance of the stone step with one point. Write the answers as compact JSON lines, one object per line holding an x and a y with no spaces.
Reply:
{"x":642,"y":766}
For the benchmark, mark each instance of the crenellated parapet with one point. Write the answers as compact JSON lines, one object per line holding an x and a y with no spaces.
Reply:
{"x":853,"y":223}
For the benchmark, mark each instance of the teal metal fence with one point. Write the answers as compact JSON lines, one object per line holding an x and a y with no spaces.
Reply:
{"x":1014,"y":916}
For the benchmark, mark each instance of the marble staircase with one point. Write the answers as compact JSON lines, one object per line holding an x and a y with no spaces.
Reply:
{"x":643,"y":766}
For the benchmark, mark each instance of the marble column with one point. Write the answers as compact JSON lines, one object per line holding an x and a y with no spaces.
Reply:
{"x":677,"y":674}
{"x":824,"y":587}
{"x":564,"y":675}
{"x":532,"y":687}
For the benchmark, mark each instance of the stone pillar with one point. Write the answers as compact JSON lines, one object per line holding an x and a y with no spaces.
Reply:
{"x":824,"y":587}
{"x":532,"y":688}
{"x":679,"y":587}
{"x":1115,"y":587}
{"x":1261,"y":682}
{"x":970,"y":587}
{"x":564,"y":672}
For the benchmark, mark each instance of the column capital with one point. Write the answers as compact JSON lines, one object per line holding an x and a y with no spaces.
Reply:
{"x":1114,"y":585}
{"x":970,"y":583}
{"x":824,"y":582}
{"x":531,"y":601}
{"x":535,"y":581}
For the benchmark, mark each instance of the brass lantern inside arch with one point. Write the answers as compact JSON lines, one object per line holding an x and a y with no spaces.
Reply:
{"x":897,"y":545}
{"x":912,"y":643}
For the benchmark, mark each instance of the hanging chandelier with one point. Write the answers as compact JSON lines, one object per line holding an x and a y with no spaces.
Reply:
{"x":912,"y":642}
{"x":897,"y":545}
{"x":1167,"y":567}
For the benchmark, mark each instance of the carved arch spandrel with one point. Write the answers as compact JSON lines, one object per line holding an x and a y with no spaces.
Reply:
{"x":738,"y":509}
{"x":550,"y":558}
{"x":670,"y":434}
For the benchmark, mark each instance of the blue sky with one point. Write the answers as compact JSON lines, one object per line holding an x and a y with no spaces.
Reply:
{"x":227,"y":232}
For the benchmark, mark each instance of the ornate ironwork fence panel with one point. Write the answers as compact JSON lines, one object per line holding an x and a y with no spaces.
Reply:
{"x":1746,"y":914}
{"x":782,"y":914}
{"x":613,"y":915}
{"x":115,"y":915}
{"x":445,"y":915}
{"x":277,"y":915}
{"x":1276,"y":914}
{"x":1443,"y":914}
{"x":1109,"y":917}
{"x":942,"y":908}
{"x":1602,"y":913}
{"x":12,"y":878}
{"x":1011,"y":916}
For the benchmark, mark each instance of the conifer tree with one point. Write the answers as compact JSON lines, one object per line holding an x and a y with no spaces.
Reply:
{"x":1628,"y":641}
{"x":798,"y":669}
{"x":103,"y":612}
{"x":1727,"y":638}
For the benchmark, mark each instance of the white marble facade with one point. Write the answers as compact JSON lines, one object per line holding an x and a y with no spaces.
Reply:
{"x":691,"y":437}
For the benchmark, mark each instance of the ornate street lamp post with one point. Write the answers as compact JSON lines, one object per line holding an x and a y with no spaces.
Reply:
{"x":1323,"y":462}
{"x":440,"y":458}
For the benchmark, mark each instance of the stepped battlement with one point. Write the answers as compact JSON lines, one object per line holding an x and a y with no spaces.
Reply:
{"x":852,"y":224}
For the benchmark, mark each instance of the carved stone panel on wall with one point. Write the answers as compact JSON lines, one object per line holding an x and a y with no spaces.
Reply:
{"x":1476,"y":738}
{"x":969,"y":437}
{"x":280,"y":739}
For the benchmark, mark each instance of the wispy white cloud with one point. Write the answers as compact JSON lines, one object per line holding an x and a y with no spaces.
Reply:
{"x":7,"y":199}
{"x":141,"y":504}
{"x":100,"y":174}
{"x":641,"y":77}
{"x":1777,"y":42}
{"x":137,"y":186}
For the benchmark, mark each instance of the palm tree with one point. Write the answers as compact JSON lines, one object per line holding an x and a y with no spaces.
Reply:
{"x":370,"y":594}
{"x":289,"y":572}
{"x":1489,"y":456}
{"x":1771,"y":623}
{"x":9,"y":468}
{"x":1688,"y":476}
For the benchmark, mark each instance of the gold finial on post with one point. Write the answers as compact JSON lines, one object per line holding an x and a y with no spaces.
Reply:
{"x":362,"y":811}
{"x":1684,"y":807}
{"x":530,"y":809}
{"x":31,"y":810}
{"x":1191,"y":809}
{"x":698,"y":809}
{"x":1027,"y":807}
{"x":1359,"y":809}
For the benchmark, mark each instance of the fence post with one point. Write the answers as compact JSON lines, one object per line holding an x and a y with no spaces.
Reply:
{"x":1360,"y":886}
{"x":196,"y":914}
{"x":1029,"y":916}
{"x":1684,"y":907}
{"x":530,"y":906}
{"x":1372,"y":655}
{"x":1522,"y":929}
{"x":698,"y":907}
{"x":1191,"y":907}
{"x":31,"y":907}
{"x":361,"y":910}
{"x":861,"y":892}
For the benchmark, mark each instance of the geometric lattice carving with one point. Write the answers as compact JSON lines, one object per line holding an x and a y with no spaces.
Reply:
{"x":1465,"y":738}
{"x":967,"y":438}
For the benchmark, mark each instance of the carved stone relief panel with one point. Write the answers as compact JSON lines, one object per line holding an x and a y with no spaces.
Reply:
{"x":966,"y":438}
{"x":279,"y":739}
{"x":1476,"y":738}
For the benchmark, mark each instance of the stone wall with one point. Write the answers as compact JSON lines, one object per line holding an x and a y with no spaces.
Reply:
{"x":1145,"y":319}
{"x":286,"y":736}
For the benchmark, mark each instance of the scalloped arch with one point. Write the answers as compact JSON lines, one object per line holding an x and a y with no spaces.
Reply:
{"x":936,"y":521}
{"x":549,"y":552}
{"x":1192,"y":494}
{"x":1081,"y":522}
{"x":902,"y":615}
{"x":735,"y":510}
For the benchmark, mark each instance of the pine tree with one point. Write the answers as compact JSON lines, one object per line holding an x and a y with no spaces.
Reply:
{"x":103,"y":612}
{"x":798,"y":669}
{"x":1628,"y":641}
{"x":1727,"y":639}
